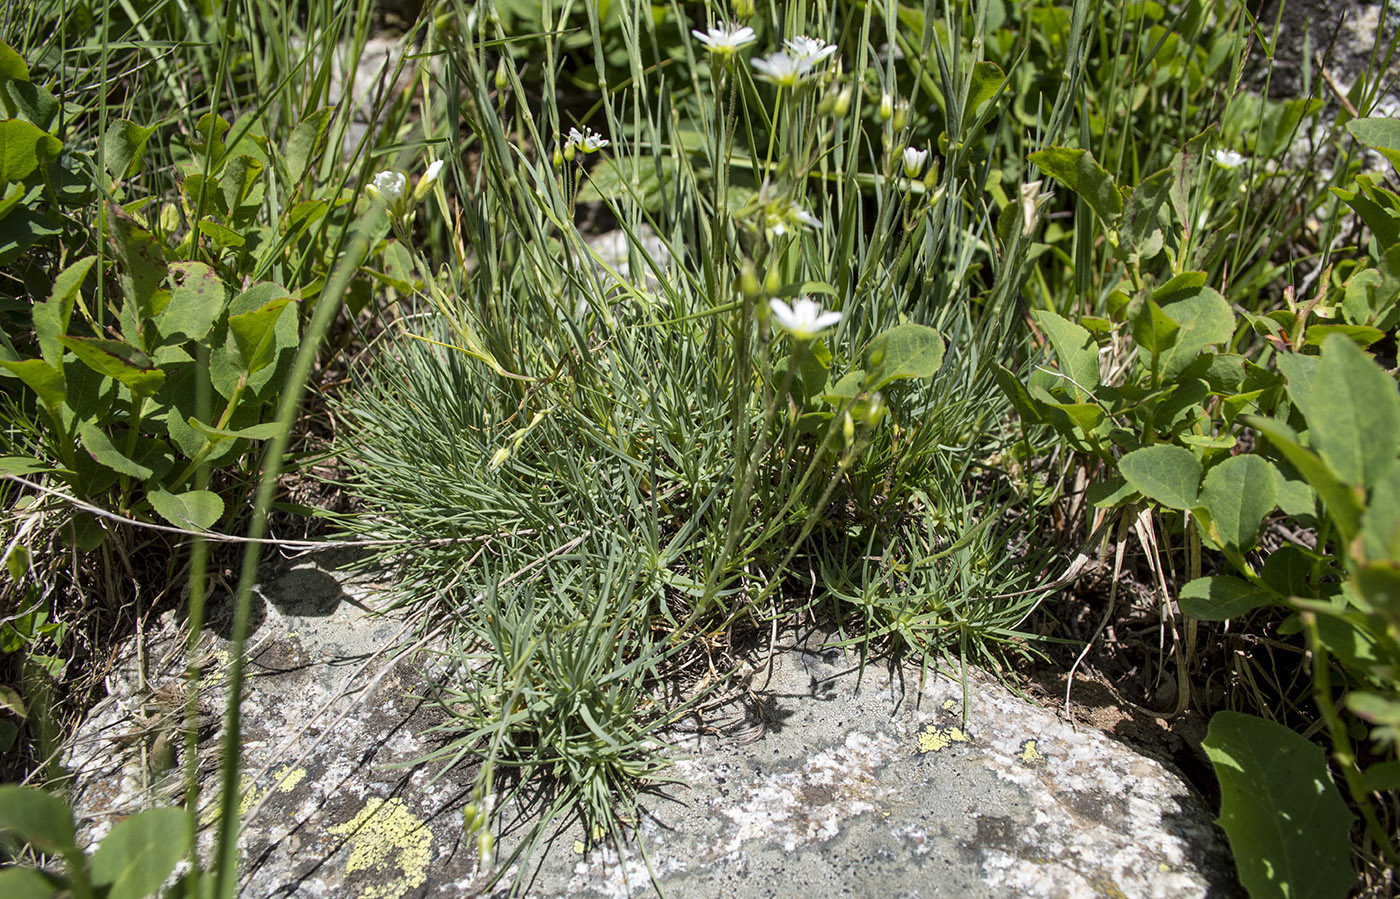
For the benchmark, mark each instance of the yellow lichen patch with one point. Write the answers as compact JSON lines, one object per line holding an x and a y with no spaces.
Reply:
{"x":385,"y":833}
{"x":948,"y":705}
{"x":579,"y":847}
{"x":936,"y":739}
{"x":289,"y":777}
{"x":1029,"y":753}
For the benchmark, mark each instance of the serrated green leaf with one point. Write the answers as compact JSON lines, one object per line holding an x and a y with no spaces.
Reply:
{"x":1077,"y":170}
{"x":23,"y":148}
{"x":903,"y":352}
{"x":1286,"y":822}
{"x":1168,"y":474}
{"x":197,"y":300}
{"x":1357,"y":430}
{"x":1075,"y":349}
{"x":118,"y":360}
{"x":1238,"y":493}
{"x":139,"y":853}
{"x":37,"y":817}
{"x":194,"y":509}
{"x":1221,"y":598}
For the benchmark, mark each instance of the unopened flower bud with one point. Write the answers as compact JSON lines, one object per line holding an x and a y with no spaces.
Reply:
{"x":748,"y":281}
{"x":843,"y":103}
{"x":848,"y":430}
{"x":772,"y":282}
{"x":569,"y":151}
{"x":502,"y":77}
{"x":901,"y":115}
{"x":743,"y":9}
{"x":886,"y":107}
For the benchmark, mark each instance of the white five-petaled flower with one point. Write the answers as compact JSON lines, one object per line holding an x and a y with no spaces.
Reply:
{"x":725,"y":41}
{"x":914,"y":161}
{"x":588,"y":140}
{"x":809,"y":49}
{"x":804,"y":319}
{"x":1227,"y":158}
{"x":783,"y":68}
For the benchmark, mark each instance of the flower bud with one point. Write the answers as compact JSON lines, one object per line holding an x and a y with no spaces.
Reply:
{"x":901,"y":115}
{"x":748,"y":281}
{"x":886,"y":107}
{"x":502,"y":77}
{"x":425,"y":184}
{"x":499,"y":458}
{"x":743,"y":9}
{"x":558,"y":157}
{"x":772,"y":282}
{"x":569,"y":151}
{"x":848,"y":430}
{"x":843,"y":103}
{"x":484,"y":844}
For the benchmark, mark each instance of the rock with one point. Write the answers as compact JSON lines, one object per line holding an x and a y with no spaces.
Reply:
{"x":821,"y":782}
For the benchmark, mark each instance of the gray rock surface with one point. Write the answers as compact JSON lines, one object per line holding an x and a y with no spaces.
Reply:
{"x":818,"y":783}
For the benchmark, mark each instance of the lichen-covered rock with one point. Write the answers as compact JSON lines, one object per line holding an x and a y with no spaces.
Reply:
{"x":820,"y":782}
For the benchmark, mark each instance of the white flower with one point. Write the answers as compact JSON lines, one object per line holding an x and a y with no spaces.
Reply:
{"x":390,"y":188}
{"x":804,"y":319}
{"x":784,"y":69}
{"x":1032,"y":199}
{"x":785,"y":214}
{"x":914,"y":161}
{"x":725,"y":41}
{"x":809,"y":49}
{"x":1228,"y":158}
{"x":589,"y":141}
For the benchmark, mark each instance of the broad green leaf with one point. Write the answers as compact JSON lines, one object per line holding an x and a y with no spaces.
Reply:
{"x":1288,"y":570}
{"x":1287,"y":824}
{"x":987,"y":79}
{"x":1016,"y":392}
{"x":302,"y":143}
{"x":42,"y":378}
{"x":254,"y":333}
{"x":12,"y":65}
{"x":1357,"y":430}
{"x":118,"y":360}
{"x":1379,"y":584}
{"x":1168,"y":474}
{"x":265,"y":431}
{"x":1341,"y":502}
{"x":239,"y":181}
{"x":124,"y":148}
{"x":1238,"y":493}
{"x":1084,"y":416}
{"x":1152,"y":329}
{"x":1380,"y":523}
{"x":31,"y":102}
{"x":1300,"y":371}
{"x":1077,"y":170}
{"x":1204,"y":318}
{"x":1075,"y":349}
{"x":23,"y":148}
{"x":1377,"y":207}
{"x":143,"y":263}
{"x":51,"y":317}
{"x":1361,"y":335}
{"x":25,"y":883}
{"x":1110,"y":493}
{"x":1381,"y":134}
{"x":194,"y":509}
{"x":1374,"y":708}
{"x":8,"y":735}
{"x":37,"y":817}
{"x":904,"y":351}
{"x":1142,"y":214}
{"x":222,"y":235}
{"x":102,"y":449}
{"x":10,"y":701}
{"x":197,"y":300}
{"x":1383,"y":777}
{"x":1221,"y":598}
{"x":139,"y":853}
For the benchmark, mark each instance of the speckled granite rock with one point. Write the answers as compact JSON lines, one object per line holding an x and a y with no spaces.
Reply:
{"x":811,"y":787}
